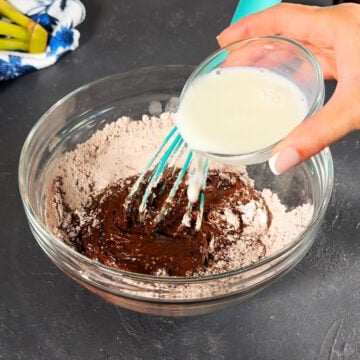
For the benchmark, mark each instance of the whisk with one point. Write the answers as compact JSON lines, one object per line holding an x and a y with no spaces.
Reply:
{"x":174,"y":151}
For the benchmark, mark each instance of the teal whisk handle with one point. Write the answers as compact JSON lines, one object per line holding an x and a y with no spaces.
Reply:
{"x":244,"y":8}
{"x":248,"y":7}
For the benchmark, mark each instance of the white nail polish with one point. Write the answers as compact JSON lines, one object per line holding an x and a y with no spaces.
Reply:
{"x":284,"y":160}
{"x":271,"y":162}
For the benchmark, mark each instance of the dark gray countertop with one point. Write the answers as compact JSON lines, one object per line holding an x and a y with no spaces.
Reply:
{"x":311,"y":313}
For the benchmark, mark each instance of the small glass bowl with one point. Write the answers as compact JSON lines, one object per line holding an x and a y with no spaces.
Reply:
{"x":282,"y":56}
{"x":73,"y":120}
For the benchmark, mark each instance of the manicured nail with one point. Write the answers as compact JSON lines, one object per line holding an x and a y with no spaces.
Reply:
{"x":219,"y":37}
{"x":284,"y":160}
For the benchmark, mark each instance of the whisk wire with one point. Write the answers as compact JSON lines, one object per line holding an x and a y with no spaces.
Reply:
{"x":159,"y":169}
{"x":202,"y":196}
{"x":168,"y":155}
{"x":148,"y":166}
{"x":174,"y":188}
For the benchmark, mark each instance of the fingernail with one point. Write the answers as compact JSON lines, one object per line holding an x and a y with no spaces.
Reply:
{"x":284,"y":160}
{"x":219,"y":37}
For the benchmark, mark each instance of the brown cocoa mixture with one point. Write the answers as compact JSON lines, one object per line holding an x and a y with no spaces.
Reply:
{"x":115,"y":236}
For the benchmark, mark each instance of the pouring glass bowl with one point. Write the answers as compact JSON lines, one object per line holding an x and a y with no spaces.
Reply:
{"x":74,"y":119}
{"x":285,"y":58}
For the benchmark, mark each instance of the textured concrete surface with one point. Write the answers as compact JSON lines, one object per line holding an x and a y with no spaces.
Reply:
{"x":312,"y":313}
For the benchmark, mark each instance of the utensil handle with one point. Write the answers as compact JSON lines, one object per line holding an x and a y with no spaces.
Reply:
{"x":248,"y":7}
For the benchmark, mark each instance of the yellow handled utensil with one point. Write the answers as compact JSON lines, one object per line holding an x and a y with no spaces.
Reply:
{"x":22,"y":33}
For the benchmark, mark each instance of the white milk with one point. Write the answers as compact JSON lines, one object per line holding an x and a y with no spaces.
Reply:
{"x":239,"y":110}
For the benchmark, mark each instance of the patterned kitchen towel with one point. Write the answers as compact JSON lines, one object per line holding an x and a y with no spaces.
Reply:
{"x":59,"y":18}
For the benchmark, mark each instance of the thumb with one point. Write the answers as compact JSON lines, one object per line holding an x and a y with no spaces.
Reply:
{"x":336,"y":119}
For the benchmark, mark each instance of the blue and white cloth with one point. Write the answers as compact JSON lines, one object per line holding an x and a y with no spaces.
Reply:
{"x":59,"y":18}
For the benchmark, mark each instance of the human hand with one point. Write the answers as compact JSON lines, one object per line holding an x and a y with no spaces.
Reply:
{"x":333,"y":35}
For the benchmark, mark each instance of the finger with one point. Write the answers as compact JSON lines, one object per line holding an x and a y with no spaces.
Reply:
{"x":326,"y":59}
{"x":275,"y":20}
{"x":243,"y":54}
{"x":332,"y":122}
{"x":252,"y":54}
{"x":267,"y":54}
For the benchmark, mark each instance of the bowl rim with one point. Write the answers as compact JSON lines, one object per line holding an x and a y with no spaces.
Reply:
{"x":33,"y":218}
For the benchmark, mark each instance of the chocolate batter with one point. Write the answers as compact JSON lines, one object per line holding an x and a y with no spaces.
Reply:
{"x":114,"y":235}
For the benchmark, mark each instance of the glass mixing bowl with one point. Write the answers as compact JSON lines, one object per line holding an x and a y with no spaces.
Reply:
{"x":75,"y":118}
